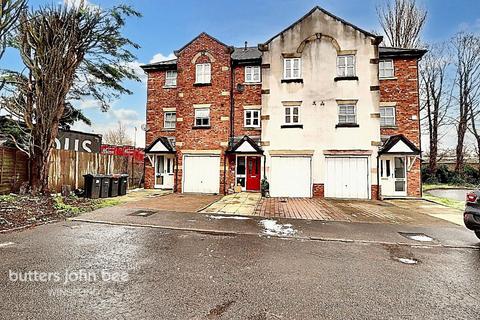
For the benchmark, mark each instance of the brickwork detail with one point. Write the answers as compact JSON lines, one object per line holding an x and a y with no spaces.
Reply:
{"x":318,"y":190}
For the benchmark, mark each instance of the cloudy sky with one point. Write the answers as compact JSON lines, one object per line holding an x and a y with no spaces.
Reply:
{"x":168,"y":24}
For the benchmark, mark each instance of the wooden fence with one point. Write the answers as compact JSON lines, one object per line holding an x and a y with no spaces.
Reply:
{"x":66,"y":168}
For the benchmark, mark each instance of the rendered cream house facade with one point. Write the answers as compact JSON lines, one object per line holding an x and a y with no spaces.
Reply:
{"x":319,"y":40}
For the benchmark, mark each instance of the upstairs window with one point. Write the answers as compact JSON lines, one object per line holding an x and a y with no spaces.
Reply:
{"x":291,"y":115}
{"x":171,"y":78}
{"x":387,"y":116}
{"x":169,"y":120}
{"x":203,"y":73}
{"x":292,"y":68}
{"x":347,"y":114}
{"x":252,"y":74}
{"x":202,"y":117}
{"x":346,"y":66}
{"x":252,"y":118}
{"x":386,"y":68}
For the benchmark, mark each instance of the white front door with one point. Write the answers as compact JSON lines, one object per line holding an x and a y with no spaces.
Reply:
{"x":346,"y":177}
{"x":164,"y":168}
{"x":291,"y":177}
{"x":201,"y":173}
{"x":393,"y":176}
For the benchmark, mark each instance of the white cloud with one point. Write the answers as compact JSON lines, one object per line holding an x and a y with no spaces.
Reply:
{"x":160,"y":57}
{"x":135,"y":66}
{"x":87,"y":104}
{"x":124,"y":114}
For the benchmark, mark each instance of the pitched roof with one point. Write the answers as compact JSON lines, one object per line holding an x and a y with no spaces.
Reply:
{"x":248,"y":140}
{"x":163,"y":141}
{"x":161,"y":65}
{"x":391,"y":52}
{"x":177,"y":52}
{"x":394,"y":140}
{"x":368,"y":34}
{"x":249,"y":53}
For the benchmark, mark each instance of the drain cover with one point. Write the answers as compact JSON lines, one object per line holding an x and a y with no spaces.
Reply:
{"x":421,"y":237}
{"x":143,"y":213}
{"x":283,"y":200}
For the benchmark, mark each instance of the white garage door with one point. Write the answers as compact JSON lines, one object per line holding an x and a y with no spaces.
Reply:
{"x":291,"y":177}
{"x":346,"y":178}
{"x":201,"y":174}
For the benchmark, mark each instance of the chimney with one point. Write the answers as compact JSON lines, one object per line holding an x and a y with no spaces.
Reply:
{"x":246,"y":44}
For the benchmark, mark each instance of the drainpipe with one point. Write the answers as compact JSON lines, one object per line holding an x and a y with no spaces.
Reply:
{"x":378,"y":177}
{"x":225,"y":174}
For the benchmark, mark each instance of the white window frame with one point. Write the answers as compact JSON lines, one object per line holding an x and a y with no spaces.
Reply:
{"x":289,"y":73}
{"x":289,"y":112}
{"x":168,"y":124}
{"x":197,"y":117}
{"x":253,"y":74}
{"x":171,"y":78}
{"x":382,"y":69}
{"x":254,"y":114}
{"x":347,"y":114}
{"x":203,"y":73}
{"x":343,"y":66}
{"x":383,"y":116}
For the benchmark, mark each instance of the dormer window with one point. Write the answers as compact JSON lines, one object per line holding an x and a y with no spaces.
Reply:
{"x":171,"y":78}
{"x":203,"y":73}
{"x":346,"y":65}
{"x":292,"y":68}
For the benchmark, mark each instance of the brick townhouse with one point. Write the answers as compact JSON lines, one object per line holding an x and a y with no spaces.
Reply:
{"x":320,"y":109}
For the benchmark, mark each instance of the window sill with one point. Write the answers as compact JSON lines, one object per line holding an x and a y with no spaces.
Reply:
{"x":388,"y":78}
{"x":352,"y":78}
{"x":252,"y":83}
{"x":292,"y":81}
{"x":287,"y":126}
{"x":201,"y":84}
{"x":347,"y":125}
{"x":169,"y":87}
{"x":252,"y":128}
{"x":388,"y":127}
{"x":201,"y":127}
{"x":168,"y":129}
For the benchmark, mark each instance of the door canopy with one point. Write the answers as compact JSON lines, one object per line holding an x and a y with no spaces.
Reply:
{"x":245,"y":145}
{"x":161,"y":145}
{"x":399,"y":145}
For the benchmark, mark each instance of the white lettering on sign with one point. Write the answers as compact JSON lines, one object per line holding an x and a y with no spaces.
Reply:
{"x":85,"y":147}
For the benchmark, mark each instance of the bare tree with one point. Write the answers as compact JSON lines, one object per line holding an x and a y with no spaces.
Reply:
{"x":118,"y":136}
{"x":466,"y":48}
{"x":436,"y":96}
{"x":402,"y":22}
{"x":68,"y":52}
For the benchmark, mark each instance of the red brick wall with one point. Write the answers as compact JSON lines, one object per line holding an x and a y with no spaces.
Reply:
{"x":318,"y":190}
{"x":375,"y":192}
{"x":217,"y":94}
{"x":251,"y":95}
{"x":404,"y":91}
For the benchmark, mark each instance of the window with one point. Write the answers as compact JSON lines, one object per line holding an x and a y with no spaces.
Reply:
{"x":241,"y":174}
{"x":252,"y":118}
{"x":203,"y":74}
{"x":291,"y":115}
{"x":386,"y":68}
{"x":346,"y":66}
{"x":169,"y":119}
{"x":202,"y":117}
{"x":252,"y":74}
{"x":387,"y":116}
{"x":292,"y":68}
{"x":171,"y":78}
{"x":347,"y":114}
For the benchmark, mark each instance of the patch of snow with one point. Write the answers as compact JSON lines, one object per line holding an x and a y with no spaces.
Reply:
{"x":271,"y":227}
{"x":421,"y":238}
{"x":6,"y":244}
{"x":228,"y":217}
{"x":407,"y":260}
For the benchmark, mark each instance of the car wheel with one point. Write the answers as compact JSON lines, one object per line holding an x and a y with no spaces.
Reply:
{"x":477,"y":233}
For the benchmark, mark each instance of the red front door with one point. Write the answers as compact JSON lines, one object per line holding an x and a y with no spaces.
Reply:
{"x":253,"y":173}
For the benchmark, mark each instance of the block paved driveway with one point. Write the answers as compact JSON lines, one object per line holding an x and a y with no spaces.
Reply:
{"x":371,"y":211}
{"x":174,"y":202}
